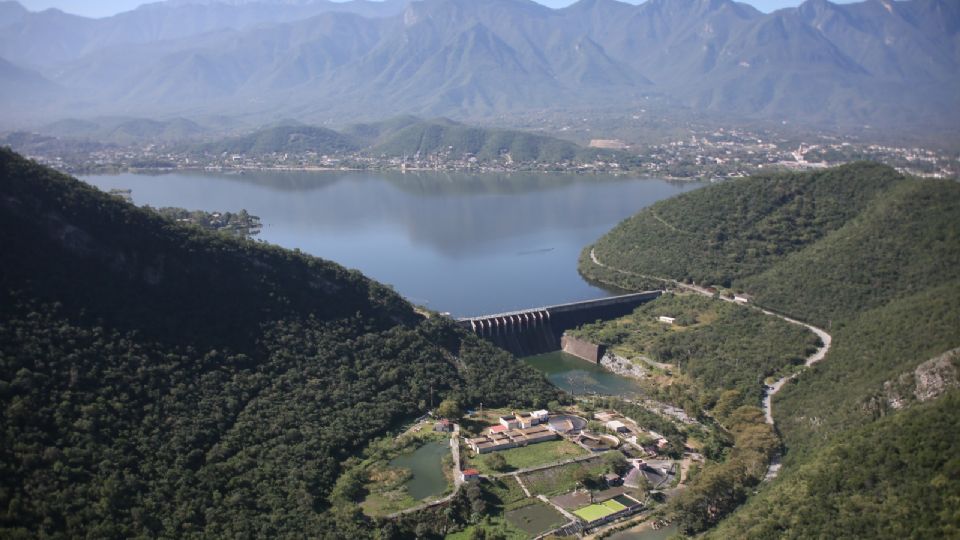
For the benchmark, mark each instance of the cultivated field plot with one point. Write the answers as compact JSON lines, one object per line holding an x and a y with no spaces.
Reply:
{"x":599,"y":511}
{"x":535,"y":518}
{"x":561,"y":479}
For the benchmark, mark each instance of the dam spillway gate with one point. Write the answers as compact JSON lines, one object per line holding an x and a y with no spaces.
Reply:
{"x":538,"y":330}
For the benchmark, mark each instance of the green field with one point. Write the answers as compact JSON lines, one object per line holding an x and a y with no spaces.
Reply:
{"x":594,"y":512}
{"x":529,"y":456}
{"x":614,"y":505}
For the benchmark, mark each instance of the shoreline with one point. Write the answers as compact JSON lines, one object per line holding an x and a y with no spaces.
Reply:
{"x":244,"y":170}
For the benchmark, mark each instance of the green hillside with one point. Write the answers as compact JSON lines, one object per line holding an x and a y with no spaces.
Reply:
{"x":285,"y":138}
{"x":372,"y":132}
{"x":454,"y":139}
{"x":859,"y":250}
{"x":408,"y":136}
{"x":904,"y":484}
{"x":160,"y":380}
{"x":906,"y":241}
{"x":740,"y":228}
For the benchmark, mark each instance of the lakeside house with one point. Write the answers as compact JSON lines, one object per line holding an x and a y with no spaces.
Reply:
{"x":468,"y":475}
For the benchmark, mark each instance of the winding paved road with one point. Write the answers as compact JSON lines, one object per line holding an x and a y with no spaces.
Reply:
{"x":818,"y":355}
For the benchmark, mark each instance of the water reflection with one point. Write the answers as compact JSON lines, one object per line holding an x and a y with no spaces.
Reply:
{"x":581,"y":377}
{"x":468,"y":244}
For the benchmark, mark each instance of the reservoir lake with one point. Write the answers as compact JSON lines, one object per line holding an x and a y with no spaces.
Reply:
{"x":467,"y":244}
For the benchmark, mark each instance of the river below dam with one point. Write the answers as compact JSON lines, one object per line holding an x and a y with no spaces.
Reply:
{"x":468,"y":244}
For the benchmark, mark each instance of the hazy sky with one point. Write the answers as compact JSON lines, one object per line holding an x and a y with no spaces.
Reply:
{"x":103,"y":8}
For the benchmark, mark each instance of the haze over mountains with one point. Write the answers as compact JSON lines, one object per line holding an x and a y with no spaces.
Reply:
{"x":877,"y":62}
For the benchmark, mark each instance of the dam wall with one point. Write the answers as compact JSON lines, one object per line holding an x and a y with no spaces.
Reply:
{"x":591,"y":352}
{"x":539,"y":330}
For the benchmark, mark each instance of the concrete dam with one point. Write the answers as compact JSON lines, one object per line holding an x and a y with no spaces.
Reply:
{"x":538,"y":330}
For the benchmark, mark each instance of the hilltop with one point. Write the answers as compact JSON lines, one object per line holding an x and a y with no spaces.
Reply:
{"x":873,"y":257}
{"x":158,"y":379}
{"x":401,"y":140}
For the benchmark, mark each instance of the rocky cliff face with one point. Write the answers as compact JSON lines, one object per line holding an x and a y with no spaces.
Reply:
{"x":928,"y":381}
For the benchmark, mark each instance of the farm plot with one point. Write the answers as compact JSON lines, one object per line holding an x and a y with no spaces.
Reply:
{"x":535,"y":518}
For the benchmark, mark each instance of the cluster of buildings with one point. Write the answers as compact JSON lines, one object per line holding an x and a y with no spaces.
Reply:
{"x":517,"y":429}
{"x":634,"y":434}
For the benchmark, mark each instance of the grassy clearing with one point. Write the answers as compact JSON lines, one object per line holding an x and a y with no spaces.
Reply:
{"x":506,"y":490}
{"x":387,"y":502}
{"x":386,"y":484}
{"x":529,"y":456}
{"x":562,"y":479}
{"x":387,"y":492}
{"x":474,"y":424}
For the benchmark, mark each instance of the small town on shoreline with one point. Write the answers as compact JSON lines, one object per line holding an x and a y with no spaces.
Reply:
{"x":704,"y":154}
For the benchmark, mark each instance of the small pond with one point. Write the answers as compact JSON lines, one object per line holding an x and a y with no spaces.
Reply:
{"x":579,"y":376}
{"x":425,"y":463}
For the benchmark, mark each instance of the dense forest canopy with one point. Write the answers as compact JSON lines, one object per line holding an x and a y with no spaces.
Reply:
{"x":874,"y":258}
{"x":741,"y":228}
{"x":158,"y":379}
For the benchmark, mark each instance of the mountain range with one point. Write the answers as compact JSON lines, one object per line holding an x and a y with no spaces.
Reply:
{"x":878,"y":62}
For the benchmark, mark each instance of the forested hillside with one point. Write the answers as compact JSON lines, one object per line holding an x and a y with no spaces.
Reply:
{"x":281,"y":139}
{"x":872,"y":257}
{"x":903,"y":484}
{"x":160,"y":380}
{"x":427,"y":138}
{"x":740,"y":228}
{"x":406,"y":136}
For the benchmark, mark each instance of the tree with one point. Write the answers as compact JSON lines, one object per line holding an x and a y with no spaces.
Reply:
{"x":581,"y":476}
{"x":450,"y":408}
{"x":729,"y":400}
{"x":615,"y":461}
{"x":496,"y":462}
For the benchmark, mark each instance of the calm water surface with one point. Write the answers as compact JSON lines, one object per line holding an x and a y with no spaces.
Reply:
{"x":579,"y":376}
{"x":467,"y":244}
{"x":425,"y":464}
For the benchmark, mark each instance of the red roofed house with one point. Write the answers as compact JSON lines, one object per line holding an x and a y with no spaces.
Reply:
{"x":470,"y":474}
